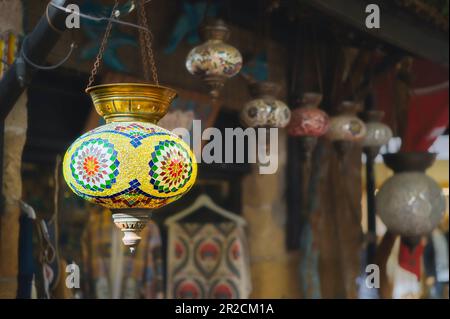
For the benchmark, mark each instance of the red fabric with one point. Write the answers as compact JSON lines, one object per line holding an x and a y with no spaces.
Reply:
{"x":384,"y":96}
{"x":411,"y":259}
{"x":427,"y":119}
{"x":428,"y":110}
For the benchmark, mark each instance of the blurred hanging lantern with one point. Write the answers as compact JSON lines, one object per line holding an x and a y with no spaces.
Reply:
{"x":130,"y":164}
{"x":378,"y":133}
{"x":214,"y":61}
{"x":410,"y":203}
{"x":308,"y":122}
{"x":346,"y":128}
{"x":265,"y":110}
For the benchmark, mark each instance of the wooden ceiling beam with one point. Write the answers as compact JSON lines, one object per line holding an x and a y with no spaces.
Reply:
{"x":398,"y":28}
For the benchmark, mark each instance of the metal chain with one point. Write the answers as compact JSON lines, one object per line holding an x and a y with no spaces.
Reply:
{"x":148,"y":58}
{"x":144,"y":56}
{"x":99,"y":57}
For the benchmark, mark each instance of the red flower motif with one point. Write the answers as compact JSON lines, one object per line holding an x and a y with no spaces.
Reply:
{"x":91,"y":165}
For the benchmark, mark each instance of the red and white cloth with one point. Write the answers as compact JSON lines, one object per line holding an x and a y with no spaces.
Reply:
{"x":207,"y":261}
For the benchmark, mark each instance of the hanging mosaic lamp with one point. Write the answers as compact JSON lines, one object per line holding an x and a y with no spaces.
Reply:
{"x":214,"y":61}
{"x":346,"y":128}
{"x":130,"y":165}
{"x":410,"y":203}
{"x":265,"y":110}
{"x":378,"y":133}
{"x":308,"y":122}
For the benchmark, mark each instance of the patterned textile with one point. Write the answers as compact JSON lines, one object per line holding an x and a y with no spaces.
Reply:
{"x":111,"y":271}
{"x":207,"y":261}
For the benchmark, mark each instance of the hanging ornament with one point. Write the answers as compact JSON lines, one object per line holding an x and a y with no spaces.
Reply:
{"x":265,"y":110}
{"x":214,"y":61}
{"x":308,"y":122}
{"x":410,"y":203}
{"x":346,"y":128}
{"x":378,"y":133}
{"x":130,"y":164}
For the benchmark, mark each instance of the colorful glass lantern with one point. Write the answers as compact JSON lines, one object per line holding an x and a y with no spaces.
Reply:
{"x":265,"y":110}
{"x":214,"y":60}
{"x":130,"y":164}
{"x":410,"y":203}
{"x":378,"y":133}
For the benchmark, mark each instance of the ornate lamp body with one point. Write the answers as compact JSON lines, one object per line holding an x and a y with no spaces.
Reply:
{"x":308,"y":122}
{"x":346,"y":128}
{"x":130,"y":164}
{"x":378,"y":133}
{"x":265,"y":110}
{"x":214,"y":60}
{"x":410,"y":203}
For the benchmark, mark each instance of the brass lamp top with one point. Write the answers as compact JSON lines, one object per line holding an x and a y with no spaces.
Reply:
{"x":215,"y":29}
{"x":123,"y":102}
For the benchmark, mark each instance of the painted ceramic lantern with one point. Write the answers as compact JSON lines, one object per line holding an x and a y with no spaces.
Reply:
{"x":308,"y":123}
{"x":347,"y":126}
{"x":378,"y":133}
{"x":410,"y":203}
{"x":265,"y":110}
{"x":214,"y":60}
{"x":130,"y":164}
{"x":308,"y":119}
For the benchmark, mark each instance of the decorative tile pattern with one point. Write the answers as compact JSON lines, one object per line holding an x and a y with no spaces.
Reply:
{"x":94,"y":164}
{"x":170,"y":167}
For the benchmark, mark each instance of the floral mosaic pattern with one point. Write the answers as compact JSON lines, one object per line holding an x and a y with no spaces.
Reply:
{"x":170,"y":167}
{"x":214,"y":58}
{"x":94,"y":164}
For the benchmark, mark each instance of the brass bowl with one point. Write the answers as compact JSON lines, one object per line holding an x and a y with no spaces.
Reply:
{"x":123,"y":102}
